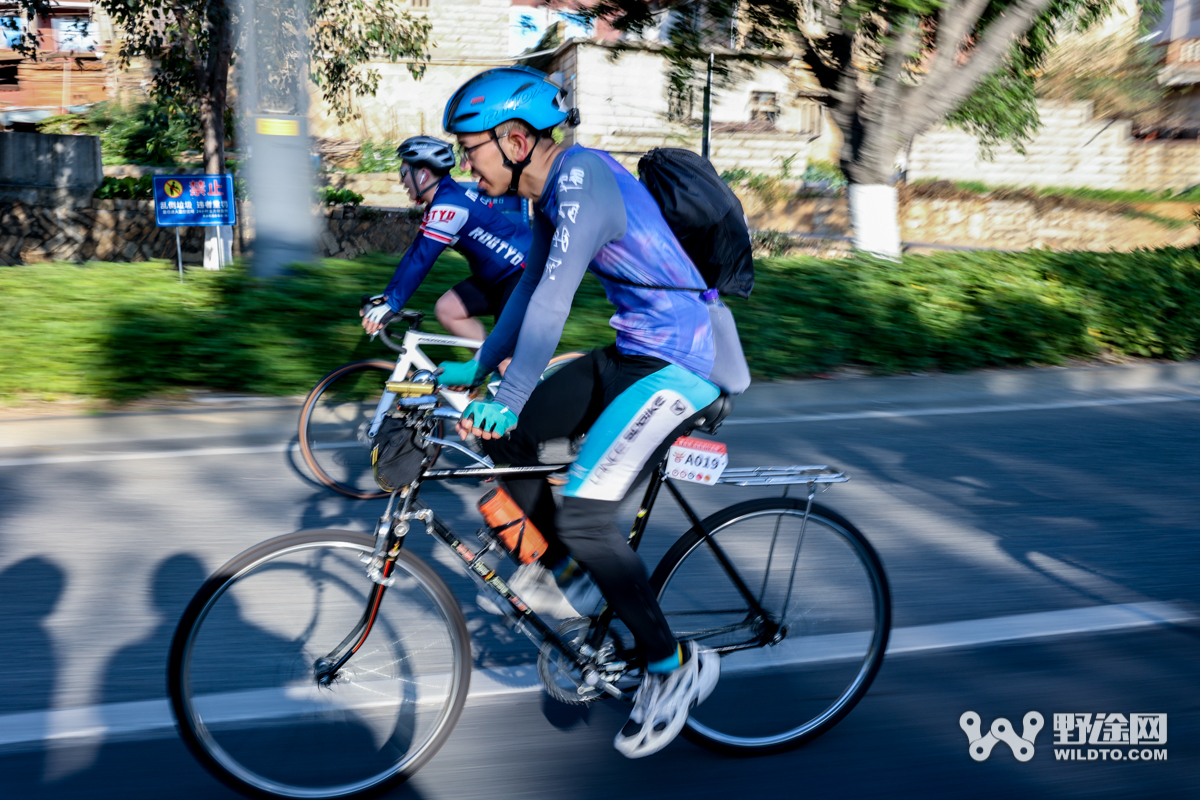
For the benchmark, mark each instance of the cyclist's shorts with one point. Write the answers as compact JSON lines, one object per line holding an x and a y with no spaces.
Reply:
{"x":631,"y":429}
{"x":483,"y":299}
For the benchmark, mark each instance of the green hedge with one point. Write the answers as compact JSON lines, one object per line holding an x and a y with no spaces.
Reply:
{"x":126,"y":330}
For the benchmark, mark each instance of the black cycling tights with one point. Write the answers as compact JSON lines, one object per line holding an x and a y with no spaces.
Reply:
{"x":565,"y":405}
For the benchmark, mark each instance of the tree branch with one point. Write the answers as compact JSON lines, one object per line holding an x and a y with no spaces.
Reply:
{"x":189,"y":44}
{"x":827,"y":75}
{"x":941,"y":93}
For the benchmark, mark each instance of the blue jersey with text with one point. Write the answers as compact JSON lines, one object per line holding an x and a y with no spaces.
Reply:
{"x":494,"y":246}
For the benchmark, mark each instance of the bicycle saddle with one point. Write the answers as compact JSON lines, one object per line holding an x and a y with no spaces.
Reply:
{"x":711,"y":417}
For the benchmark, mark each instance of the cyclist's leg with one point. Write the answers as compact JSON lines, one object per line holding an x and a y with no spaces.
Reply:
{"x":627,"y":440}
{"x":563,"y":405}
{"x":459,"y":308}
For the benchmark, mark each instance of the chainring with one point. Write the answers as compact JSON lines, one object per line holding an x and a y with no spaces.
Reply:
{"x":560,"y":676}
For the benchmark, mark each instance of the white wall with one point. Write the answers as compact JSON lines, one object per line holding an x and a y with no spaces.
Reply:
{"x":1071,"y":149}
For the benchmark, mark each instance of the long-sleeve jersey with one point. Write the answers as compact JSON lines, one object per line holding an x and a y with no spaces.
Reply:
{"x":593,"y":214}
{"x":494,"y":246}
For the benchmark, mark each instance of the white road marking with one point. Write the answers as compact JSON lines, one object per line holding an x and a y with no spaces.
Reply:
{"x":199,"y":452}
{"x":149,"y":719}
{"x":35,"y":461}
{"x":992,"y":409}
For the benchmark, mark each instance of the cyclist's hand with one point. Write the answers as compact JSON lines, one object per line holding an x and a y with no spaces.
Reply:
{"x":486,"y":419}
{"x":376,"y":314}
{"x":458,"y":374}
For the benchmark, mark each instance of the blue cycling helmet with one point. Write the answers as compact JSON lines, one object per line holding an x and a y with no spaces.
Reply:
{"x":504,"y":93}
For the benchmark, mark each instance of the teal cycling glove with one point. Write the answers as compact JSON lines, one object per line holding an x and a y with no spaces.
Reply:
{"x":456,"y":373}
{"x":490,"y":416}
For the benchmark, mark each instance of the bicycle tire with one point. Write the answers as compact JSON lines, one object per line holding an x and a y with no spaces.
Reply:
{"x":209,"y":722}
{"x":822,"y":648}
{"x":364,"y":488}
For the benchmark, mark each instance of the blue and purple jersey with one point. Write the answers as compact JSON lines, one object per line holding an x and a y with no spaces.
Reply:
{"x":593,"y":214}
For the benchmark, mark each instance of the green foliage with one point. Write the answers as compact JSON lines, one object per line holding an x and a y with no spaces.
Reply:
{"x":825,"y":171}
{"x":377,"y":157}
{"x":130,"y":330}
{"x":128,"y":188}
{"x":339,"y":197}
{"x":1001,"y":110}
{"x":772,"y":243}
{"x":149,"y":133}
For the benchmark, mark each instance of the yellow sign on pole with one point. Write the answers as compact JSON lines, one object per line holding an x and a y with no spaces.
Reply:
{"x":277,"y":127}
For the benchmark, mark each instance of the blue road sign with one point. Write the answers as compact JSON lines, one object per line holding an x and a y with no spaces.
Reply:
{"x":194,"y":200}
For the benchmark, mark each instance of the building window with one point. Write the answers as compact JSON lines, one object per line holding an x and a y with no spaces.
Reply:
{"x":72,"y":34}
{"x":11,"y":31}
{"x":811,"y":117}
{"x":1190,"y":50}
{"x":764,"y":107}
{"x":420,"y":3}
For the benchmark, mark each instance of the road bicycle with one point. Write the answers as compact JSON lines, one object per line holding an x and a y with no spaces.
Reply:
{"x":330,"y":663}
{"x":343,"y":412}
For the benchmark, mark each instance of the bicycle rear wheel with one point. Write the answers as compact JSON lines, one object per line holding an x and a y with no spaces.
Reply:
{"x":827,"y":590}
{"x":242,"y":670}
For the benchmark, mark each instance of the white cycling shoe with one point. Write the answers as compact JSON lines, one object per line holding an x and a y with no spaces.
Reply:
{"x":534,"y":584}
{"x":663,"y":701}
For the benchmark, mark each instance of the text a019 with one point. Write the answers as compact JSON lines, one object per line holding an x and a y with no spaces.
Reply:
{"x":696,"y":460}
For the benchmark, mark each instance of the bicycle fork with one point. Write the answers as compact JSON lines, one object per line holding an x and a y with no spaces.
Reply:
{"x":389,"y":539}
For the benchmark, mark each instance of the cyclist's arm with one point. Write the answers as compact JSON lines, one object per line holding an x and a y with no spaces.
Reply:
{"x":438,"y":231}
{"x":503,"y":338}
{"x":589,"y":215}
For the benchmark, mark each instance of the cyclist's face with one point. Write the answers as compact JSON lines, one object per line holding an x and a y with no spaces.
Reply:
{"x":409,"y":178}
{"x":480,"y":154}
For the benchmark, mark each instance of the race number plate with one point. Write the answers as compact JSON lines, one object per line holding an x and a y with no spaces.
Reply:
{"x":696,"y":460}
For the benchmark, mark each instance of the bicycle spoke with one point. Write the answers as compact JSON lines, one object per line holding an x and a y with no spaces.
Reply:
{"x":250,"y":696}
{"x":828,"y":600}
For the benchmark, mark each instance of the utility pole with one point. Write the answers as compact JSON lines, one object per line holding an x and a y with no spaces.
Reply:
{"x":275,"y":108}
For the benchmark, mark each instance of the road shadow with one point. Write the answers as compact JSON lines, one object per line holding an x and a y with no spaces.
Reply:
{"x":29,"y":593}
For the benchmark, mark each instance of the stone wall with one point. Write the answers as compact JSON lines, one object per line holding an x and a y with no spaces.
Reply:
{"x":104,"y":230}
{"x":1072,"y":149}
{"x":1003,"y":223}
{"x":124,"y":230}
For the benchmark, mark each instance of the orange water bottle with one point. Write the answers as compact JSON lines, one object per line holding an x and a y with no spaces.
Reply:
{"x":511,"y":526}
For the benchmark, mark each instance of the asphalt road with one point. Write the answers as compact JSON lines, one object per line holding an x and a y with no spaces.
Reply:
{"x":999,"y":503}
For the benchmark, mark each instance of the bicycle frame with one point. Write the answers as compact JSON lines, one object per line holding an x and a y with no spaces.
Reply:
{"x":410,"y":357}
{"x":395,"y":528}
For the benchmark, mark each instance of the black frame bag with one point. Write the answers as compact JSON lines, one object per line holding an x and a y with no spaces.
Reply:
{"x":705,"y":216}
{"x":396,"y":460}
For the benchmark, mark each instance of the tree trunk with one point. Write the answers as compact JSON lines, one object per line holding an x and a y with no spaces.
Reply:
{"x":213,"y":89}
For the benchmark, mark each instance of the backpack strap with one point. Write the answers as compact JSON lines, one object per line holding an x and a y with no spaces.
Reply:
{"x":615,"y":279}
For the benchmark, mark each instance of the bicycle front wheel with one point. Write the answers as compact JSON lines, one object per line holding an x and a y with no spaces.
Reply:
{"x":820,"y":582}
{"x":243,"y":680}
{"x":334,"y":422}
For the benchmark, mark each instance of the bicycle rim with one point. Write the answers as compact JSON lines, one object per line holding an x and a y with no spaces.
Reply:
{"x":243,"y":683}
{"x":836,"y":621}
{"x":333,"y":428}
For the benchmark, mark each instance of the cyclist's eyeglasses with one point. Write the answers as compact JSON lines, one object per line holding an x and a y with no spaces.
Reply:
{"x":464,"y":153}
{"x":405,"y":171}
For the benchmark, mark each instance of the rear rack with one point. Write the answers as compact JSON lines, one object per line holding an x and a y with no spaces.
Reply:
{"x":764,"y":476}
